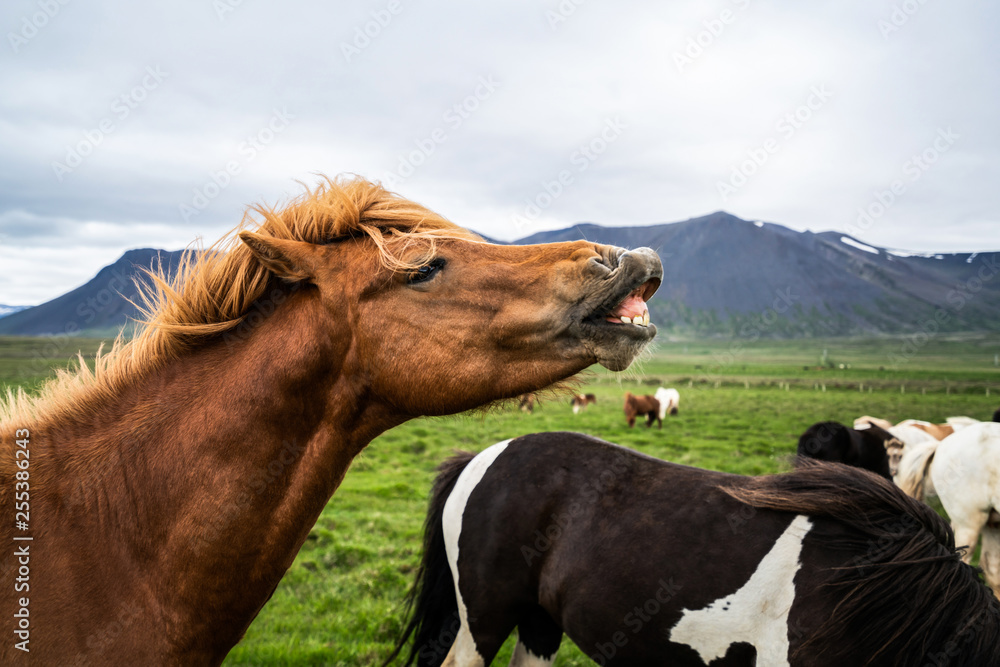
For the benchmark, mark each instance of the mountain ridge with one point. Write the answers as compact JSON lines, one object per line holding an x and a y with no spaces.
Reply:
{"x":100,"y":306}
{"x":725,"y":275}
{"x":722,"y":276}
{"x":6,"y":310}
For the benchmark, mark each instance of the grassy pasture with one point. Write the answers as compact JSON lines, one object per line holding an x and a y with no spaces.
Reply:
{"x":743,"y":406}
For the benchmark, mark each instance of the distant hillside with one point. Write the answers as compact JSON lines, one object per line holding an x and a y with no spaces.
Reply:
{"x":10,"y":310}
{"x":99,"y":308}
{"x":724,"y":275}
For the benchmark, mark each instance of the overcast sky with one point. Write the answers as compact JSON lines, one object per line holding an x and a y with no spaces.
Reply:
{"x":116,"y":117}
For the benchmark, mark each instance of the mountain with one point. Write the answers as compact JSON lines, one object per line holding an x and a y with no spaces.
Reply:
{"x":724,"y":275}
{"x":100,"y":307}
{"x":10,"y":310}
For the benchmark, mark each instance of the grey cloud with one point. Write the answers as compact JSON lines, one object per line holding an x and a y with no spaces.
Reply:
{"x":560,"y":77}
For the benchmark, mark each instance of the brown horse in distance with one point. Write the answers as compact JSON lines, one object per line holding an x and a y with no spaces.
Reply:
{"x":172,"y":485}
{"x":646,"y":405}
{"x":581,"y":401}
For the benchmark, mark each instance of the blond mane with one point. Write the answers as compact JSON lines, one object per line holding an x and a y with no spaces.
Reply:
{"x":213,"y":290}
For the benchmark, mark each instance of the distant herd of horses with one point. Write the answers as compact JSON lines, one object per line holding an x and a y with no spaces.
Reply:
{"x":173,"y":481}
{"x":652,"y":407}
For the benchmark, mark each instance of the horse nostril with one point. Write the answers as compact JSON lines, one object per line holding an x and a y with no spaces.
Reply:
{"x":607,"y":257}
{"x":613,"y":256}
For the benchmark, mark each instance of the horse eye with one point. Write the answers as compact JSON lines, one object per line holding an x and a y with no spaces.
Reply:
{"x":425,"y":272}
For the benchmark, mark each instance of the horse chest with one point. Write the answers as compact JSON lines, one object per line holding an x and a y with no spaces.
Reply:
{"x":756,"y":614}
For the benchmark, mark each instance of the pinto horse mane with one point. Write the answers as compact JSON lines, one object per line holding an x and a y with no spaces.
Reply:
{"x":907,"y":547}
{"x":213,"y":291}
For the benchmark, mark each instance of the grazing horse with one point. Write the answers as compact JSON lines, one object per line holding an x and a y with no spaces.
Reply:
{"x":936,"y":431}
{"x":642,"y":405}
{"x":172,"y":485}
{"x":965,"y":472}
{"x":642,"y":562}
{"x":864,"y":448}
{"x":527,"y":402}
{"x":863,"y":422}
{"x":581,"y":401}
{"x":958,"y":423}
{"x":669,"y":400}
{"x":907,"y":439}
{"x":904,"y":435}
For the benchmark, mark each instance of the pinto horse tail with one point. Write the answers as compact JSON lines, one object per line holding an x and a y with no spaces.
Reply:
{"x":913,"y":468}
{"x":905,"y":596}
{"x":431,"y":605}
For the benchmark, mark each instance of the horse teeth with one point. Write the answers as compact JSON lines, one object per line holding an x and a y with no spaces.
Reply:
{"x":626,"y":320}
{"x":645,"y":319}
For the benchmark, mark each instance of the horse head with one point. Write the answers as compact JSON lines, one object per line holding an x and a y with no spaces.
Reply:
{"x":395,"y":288}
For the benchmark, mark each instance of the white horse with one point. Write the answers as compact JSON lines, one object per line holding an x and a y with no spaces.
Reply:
{"x":964,"y":469}
{"x":939,"y":431}
{"x":670,"y":401}
{"x":912,"y":432}
{"x":861,"y":423}
{"x":958,"y":423}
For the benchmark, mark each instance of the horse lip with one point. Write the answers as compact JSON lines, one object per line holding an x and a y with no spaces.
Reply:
{"x":648,"y":285}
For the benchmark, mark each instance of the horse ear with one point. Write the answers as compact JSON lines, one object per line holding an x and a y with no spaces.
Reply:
{"x":292,"y":260}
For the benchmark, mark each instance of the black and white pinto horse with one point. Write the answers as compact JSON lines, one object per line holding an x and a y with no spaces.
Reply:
{"x":644,"y":562}
{"x":861,"y":448}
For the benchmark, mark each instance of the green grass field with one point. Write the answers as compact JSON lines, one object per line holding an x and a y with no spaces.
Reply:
{"x":743,"y":407}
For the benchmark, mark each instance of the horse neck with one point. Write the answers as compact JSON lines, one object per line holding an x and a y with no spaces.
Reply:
{"x":216,"y":467}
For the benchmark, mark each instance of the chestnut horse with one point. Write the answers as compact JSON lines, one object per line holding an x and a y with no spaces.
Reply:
{"x":642,"y":562}
{"x":581,"y":401}
{"x":171,"y":486}
{"x":646,"y":405}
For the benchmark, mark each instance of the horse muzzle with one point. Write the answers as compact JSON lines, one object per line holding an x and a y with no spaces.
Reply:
{"x":613,"y":321}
